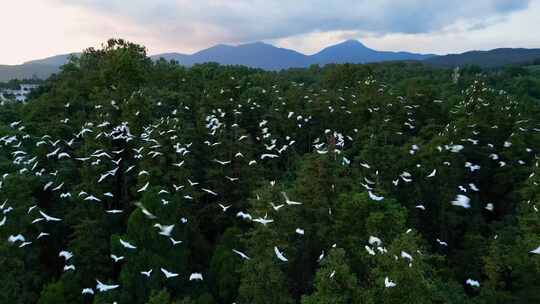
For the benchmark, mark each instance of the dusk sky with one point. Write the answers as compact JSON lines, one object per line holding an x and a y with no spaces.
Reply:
{"x":33,"y":29}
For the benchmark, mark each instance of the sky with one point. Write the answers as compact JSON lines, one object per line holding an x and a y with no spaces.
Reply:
{"x":34,"y":29}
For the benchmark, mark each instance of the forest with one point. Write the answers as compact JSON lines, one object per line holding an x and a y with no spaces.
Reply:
{"x":131,"y":180}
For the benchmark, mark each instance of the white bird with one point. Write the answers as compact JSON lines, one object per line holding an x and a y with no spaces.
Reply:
{"x":232,"y":179}
{"x":69,"y":267}
{"x":209,"y":191}
{"x":263,"y":221}
{"x":442,"y":243}
{"x":23,"y":244}
{"x":462,"y":201}
{"x":432,"y":174}
{"x":472,"y":167}
{"x":321,"y":257}
{"x":116,"y":258}
{"x":92,"y":198}
{"x":174,"y":242}
{"x":168,"y":274}
{"x":224,"y":208}
{"x":87,"y":291}
{"x":407,"y":256}
{"x":365,"y":165}
{"x":388,"y":283}
{"x":164,"y":230}
{"x":143,"y":188}
{"x":103,"y":176}
{"x":299,"y":231}
{"x":369,"y":250}
{"x":375,"y":197}
{"x":147,"y":273}
{"x":280,"y":255}
{"x":63,"y":155}
{"x":7,"y":210}
{"x":536,"y":251}
{"x":114,"y":211}
{"x":373,"y":240}
{"x":39,"y":219}
{"x":49,"y":218}
{"x":30,"y":208}
{"x":269,"y":156}
{"x":241,"y":254}
{"x":192,"y":183}
{"x":288,"y":201}
{"x":276,"y":208}
{"x":489,"y":207}
{"x":3,"y":221}
{"x":127,"y":244}
{"x":223,"y":163}
{"x":66,"y":254}
{"x":179,"y":164}
{"x":176,"y":188}
{"x":245,"y":216}
{"x":332,"y":274}
{"x":42,"y":234}
{"x":104,"y":287}
{"x":493,"y":156}
{"x":456,"y":148}
{"x":145,"y":211}
{"x":472,"y":283}
{"x":196,"y":276}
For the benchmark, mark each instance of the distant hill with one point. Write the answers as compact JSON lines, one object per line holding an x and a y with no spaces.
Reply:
{"x":57,"y":60}
{"x":269,"y":57}
{"x":487,"y":59}
{"x":256,"y":55}
{"x":353,"y":51}
{"x":26,"y":71}
{"x":41,"y":68}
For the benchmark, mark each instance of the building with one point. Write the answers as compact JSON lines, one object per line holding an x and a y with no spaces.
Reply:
{"x":20,"y":94}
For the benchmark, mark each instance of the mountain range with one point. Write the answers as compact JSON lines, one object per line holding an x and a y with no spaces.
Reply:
{"x":269,"y":57}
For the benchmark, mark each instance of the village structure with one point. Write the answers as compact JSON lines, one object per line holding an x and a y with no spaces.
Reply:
{"x":19,"y":95}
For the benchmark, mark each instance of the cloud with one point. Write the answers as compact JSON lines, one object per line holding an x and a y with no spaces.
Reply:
{"x":461,"y":36}
{"x":251,"y":20}
{"x":49,"y":27}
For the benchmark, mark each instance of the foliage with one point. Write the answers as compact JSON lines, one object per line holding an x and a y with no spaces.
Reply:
{"x":348,"y":171}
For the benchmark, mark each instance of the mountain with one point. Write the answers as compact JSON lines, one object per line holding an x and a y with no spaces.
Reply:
{"x":256,"y":55}
{"x":26,"y":71}
{"x":41,"y":68}
{"x":353,"y":51}
{"x":57,"y":60}
{"x":269,"y":57}
{"x":487,"y":59}
{"x":171,"y":56}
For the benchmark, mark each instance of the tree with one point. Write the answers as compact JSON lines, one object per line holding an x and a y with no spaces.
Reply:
{"x":159,"y":297}
{"x":334,"y":281}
